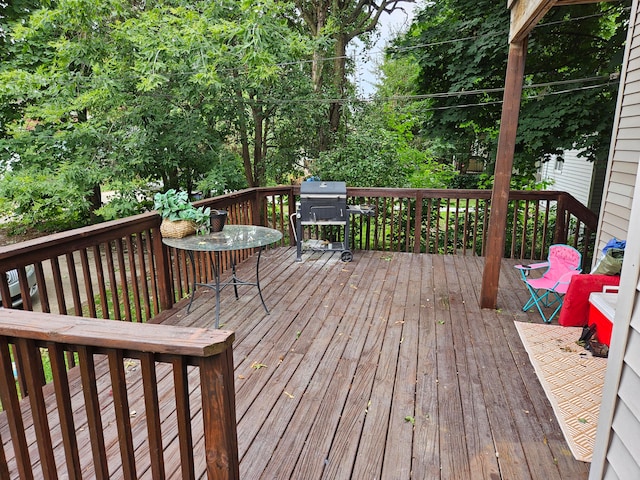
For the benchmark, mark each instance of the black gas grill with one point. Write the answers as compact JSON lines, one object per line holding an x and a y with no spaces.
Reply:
{"x":325,"y":203}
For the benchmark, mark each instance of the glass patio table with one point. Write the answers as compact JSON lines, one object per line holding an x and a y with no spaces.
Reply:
{"x":231,"y":239}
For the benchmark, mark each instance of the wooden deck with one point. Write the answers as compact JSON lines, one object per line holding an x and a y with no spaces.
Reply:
{"x":384,"y":367}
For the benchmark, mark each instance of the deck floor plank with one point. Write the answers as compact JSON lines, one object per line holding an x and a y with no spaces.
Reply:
{"x":477,"y":427}
{"x":426,"y":439}
{"x":384,"y":367}
{"x":375,"y":432}
{"x":397,"y":458}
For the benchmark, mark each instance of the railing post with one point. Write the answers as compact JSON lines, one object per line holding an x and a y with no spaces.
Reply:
{"x":165,"y":286}
{"x":219,"y":416}
{"x":417,"y":229}
{"x":257,"y":216}
{"x":559,"y":233}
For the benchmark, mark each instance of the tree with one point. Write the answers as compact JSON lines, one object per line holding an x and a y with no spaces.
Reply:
{"x":333,"y":25}
{"x":381,"y":151}
{"x":570,"y":88}
{"x":182,"y":93}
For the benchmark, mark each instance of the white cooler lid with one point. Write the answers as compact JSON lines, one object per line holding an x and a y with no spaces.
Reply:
{"x":605,"y":302}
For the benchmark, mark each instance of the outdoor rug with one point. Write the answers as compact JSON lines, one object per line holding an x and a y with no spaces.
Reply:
{"x":572,"y":379}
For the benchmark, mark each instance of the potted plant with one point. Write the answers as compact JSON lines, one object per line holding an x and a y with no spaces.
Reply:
{"x":179,"y":217}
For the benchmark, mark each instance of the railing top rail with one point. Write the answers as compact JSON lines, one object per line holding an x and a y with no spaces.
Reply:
{"x":442,"y":193}
{"x":146,"y":337}
{"x":39,"y":249}
{"x":60,"y":243}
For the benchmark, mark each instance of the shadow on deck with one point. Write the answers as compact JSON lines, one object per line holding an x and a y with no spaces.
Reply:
{"x":384,"y":367}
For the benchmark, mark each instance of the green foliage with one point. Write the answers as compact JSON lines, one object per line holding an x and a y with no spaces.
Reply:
{"x":126,"y":199}
{"x":380,"y":150}
{"x":463,"y":51}
{"x":224,"y":176}
{"x":369,"y":158}
{"x":166,"y":91}
{"x":44,"y":199}
{"x":175,"y":205}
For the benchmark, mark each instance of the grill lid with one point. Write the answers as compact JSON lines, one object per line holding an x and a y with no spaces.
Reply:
{"x":323,"y":188}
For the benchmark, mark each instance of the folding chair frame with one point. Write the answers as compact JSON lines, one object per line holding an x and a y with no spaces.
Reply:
{"x":553,"y":295}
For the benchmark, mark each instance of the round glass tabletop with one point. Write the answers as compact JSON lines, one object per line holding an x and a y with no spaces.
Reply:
{"x":232,"y":237}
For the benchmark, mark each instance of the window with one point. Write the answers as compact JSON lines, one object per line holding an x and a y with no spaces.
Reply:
{"x":558,"y":166}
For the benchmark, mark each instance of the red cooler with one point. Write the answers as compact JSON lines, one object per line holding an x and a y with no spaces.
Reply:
{"x":602,"y":310}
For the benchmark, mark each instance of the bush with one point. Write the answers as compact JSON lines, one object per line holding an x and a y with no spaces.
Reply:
{"x":43,"y":200}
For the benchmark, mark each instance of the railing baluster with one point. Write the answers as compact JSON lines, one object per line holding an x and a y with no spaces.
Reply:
{"x":407,"y":227}
{"x":63,"y":403}
{"x":122,"y":288}
{"x":534,"y":238}
{"x":152,"y":411}
{"x":428,"y":232}
{"x":547,"y":212}
{"x":525,"y":222}
{"x":73,"y":282}
{"x":121,"y":406}
{"x":57,"y":282}
{"x":183,"y":417}
{"x":113,"y":284}
{"x":465,"y":224}
{"x":133,"y":273}
{"x":34,"y":375}
{"x":11,"y":404}
{"x":143,"y":277}
{"x":92,"y":408}
{"x":100,"y":279}
{"x":438,"y":225}
{"x":474,"y":235}
{"x":86,"y":273}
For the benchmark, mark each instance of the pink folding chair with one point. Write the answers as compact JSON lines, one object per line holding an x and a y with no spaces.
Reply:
{"x":548,"y":290}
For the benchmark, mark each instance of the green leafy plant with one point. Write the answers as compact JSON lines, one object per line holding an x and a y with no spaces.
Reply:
{"x":174,"y":205}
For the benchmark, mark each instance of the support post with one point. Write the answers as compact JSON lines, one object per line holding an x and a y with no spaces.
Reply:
{"x":502,"y":174}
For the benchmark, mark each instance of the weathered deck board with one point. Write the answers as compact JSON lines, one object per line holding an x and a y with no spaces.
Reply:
{"x":384,"y":367}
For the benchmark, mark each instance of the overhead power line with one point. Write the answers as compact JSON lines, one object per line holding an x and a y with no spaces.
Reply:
{"x":486,"y":35}
{"x":463,"y":93}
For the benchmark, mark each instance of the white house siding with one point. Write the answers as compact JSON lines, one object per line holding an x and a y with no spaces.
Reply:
{"x":617,"y":449}
{"x":625,"y":145}
{"x":575,"y":177}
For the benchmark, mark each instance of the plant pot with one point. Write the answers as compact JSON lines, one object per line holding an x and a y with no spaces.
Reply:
{"x":177,"y":229}
{"x":217,"y":219}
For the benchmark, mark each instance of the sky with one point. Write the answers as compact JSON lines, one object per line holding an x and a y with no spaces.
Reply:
{"x":366,"y":76}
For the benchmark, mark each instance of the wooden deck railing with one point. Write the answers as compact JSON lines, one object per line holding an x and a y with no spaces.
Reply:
{"x":456,"y":222}
{"x":97,"y":413}
{"x":121,"y":270}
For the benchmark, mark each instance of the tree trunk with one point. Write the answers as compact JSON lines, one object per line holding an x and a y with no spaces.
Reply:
{"x":244,"y":143}
{"x":335,"y":109}
{"x":258,"y":163}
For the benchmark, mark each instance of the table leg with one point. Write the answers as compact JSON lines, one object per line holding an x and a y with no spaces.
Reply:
{"x":216,"y":287}
{"x":233,"y":276}
{"x":235,"y":281}
{"x":258,"y":281}
{"x":192,"y":259}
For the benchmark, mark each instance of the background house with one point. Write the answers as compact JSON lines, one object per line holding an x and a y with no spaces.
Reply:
{"x":576,"y":176}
